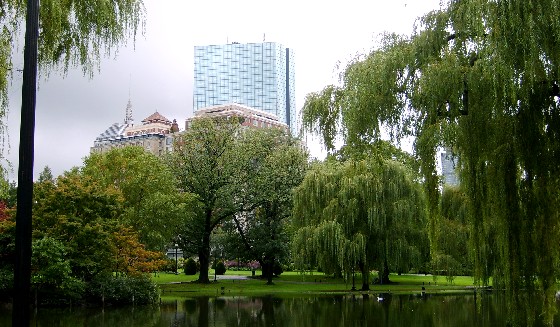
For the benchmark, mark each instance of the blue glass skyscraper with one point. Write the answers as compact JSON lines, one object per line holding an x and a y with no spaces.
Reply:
{"x":258,"y":75}
{"x":448,"y":168}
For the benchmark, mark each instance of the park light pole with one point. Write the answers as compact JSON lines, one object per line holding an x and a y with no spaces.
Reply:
{"x":176,"y":260}
{"x":22,"y":267}
{"x":215,"y":264}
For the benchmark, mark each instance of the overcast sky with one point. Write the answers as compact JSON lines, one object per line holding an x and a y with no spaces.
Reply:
{"x":158,"y":71}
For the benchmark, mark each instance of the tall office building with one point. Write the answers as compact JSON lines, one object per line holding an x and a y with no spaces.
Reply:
{"x":448,"y":168}
{"x":257,"y":75}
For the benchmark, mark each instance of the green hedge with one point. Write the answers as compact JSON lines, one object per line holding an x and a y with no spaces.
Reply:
{"x":119,"y":290}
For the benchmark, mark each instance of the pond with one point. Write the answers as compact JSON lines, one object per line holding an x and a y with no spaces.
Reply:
{"x":332,"y":310}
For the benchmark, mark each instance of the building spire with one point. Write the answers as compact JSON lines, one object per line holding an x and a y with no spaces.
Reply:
{"x":128,"y":118}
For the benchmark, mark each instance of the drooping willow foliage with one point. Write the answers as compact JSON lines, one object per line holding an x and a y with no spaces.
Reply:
{"x":452,"y":257}
{"x":480,"y":77}
{"x":72,"y":33}
{"x":359,"y":214}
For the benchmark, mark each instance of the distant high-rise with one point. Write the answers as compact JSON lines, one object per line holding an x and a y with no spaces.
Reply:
{"x":258,"y":75}
{"x":448,"y":168}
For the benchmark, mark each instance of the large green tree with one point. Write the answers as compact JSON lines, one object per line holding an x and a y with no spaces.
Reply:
{"x":270,"y":164}
{"x":81,"y":241}
{"x":481,"y":77}
{"x":360,"y":214}
{"x":203,"y":164}
{"x":152,"y":203}
{"x":81,"y":214}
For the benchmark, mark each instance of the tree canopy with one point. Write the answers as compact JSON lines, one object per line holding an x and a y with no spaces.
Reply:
{"x":152,"y":203}
{"x":80,"y":241}
{"x":480,"y":77}
{"x":72,"y":33}
{"x":203,"y":164}
{"x":360,"y":213}
{"x":270,"y":164}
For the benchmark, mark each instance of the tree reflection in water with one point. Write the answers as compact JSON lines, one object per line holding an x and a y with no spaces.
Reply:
{"x":484,"y":309}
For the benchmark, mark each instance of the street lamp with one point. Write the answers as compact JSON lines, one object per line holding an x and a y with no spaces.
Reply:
{"x":176,"y":262}
{"x":215,"y":264}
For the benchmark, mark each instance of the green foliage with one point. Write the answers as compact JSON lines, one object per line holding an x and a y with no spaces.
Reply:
{"x":220,"y":268}
{"x":80,"y":240}
{"x":82,"y":215}
{"x":51,"y":273}
{"x":269,"y":165}
{"x":278,"y":269}
{"x":191,"y":267}
{"x":362,"y":214}
{"x":152,"y":204}
{"x":7,"y":254}
{"x":46,"y":175}
{"x":480,"y":77}
{"x":453,"y":256}
{"x":203,"y":165}
{"x":78,"y":33}
{"x":122,"y":290}
{"x":72,"y":33}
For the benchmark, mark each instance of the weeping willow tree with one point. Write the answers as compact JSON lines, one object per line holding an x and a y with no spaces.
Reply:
{"x":480,"y":77}
{"x":365,"y":214}
{"x":72,"y":33}
{"x":452,"y":258}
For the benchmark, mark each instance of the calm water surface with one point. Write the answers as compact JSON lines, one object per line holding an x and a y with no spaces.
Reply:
{"x":347,"y":310}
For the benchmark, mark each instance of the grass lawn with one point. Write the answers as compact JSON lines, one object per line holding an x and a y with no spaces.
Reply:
{"x":294,"y":283}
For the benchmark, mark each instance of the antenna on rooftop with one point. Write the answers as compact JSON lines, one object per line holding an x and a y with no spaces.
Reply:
{"x":264,"y":37}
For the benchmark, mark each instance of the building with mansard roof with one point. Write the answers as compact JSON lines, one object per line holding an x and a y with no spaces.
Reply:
{"x":155,"y":134}
{"x":251,"y":117}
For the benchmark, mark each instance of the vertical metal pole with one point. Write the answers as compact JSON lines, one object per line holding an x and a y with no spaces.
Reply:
{"x":176,"y":262}
{"x":22,"y":270}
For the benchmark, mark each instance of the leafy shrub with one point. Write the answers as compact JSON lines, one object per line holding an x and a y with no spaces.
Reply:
{"x":190,"y":267}
{"x":220,"y":268}
{"x":6,"y":282}
{"x":169,"y":265}
{"x":119,"y":290}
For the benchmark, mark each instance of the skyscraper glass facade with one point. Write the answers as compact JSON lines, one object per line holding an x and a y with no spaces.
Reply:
{"x":448,"y":168}
{"x":258,"y":75}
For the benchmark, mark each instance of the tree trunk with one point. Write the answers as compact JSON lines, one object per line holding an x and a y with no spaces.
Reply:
{"x":204,"y":253}
{"x":204,"y":311}
{"x":384,"y":273}
{"x":268,"y":269}
{"x":365,"y":276}
{"x":270,"y":264}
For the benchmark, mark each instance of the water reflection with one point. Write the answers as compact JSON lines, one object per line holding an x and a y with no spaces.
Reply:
{"x":341,"y":310}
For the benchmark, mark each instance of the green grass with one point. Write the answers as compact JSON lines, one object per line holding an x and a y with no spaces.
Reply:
{"x":294,"y":283}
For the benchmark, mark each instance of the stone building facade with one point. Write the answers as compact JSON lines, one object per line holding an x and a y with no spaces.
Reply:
{"x":155,"y":134}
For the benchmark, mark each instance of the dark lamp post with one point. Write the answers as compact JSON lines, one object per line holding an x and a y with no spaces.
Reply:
{"x":22,"y":268}
{"x":353,"y":280}
{"x":176,"y":260}
{"x":215,"y":264}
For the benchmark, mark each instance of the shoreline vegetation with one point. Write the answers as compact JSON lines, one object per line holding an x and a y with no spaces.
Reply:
{"x":242,"y":283}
